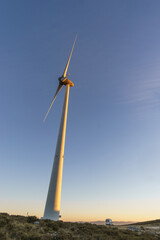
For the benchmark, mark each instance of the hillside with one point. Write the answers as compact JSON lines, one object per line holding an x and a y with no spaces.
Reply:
{"x":148,"y":223}
{"x":32,"y":228}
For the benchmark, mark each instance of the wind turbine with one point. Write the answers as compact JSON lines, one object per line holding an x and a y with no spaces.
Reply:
{"x":52,"y":208}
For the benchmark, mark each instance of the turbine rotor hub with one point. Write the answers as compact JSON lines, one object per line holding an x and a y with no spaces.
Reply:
{"x":65,"y":81}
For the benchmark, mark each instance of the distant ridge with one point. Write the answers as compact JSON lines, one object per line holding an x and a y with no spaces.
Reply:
{"x":151,"y":222}
{"x":114,"y":222}
{"x":103,"y":222}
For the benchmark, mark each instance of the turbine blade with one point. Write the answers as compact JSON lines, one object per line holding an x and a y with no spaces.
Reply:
{"x":65,"y":70}
{"x":57,"y":91}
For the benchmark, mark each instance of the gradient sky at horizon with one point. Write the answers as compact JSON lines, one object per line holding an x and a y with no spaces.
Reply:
{"x":111,"y":161}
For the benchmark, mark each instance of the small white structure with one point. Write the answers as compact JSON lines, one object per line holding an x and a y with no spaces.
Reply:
{"x":109,"y":221}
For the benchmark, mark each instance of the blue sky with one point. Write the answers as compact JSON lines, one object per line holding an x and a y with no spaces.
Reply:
{"x":111,"y":163}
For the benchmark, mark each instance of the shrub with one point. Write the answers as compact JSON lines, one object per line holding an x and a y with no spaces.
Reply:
{"x":32,"y":219}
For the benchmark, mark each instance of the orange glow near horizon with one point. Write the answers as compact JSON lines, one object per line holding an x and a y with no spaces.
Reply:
{"x":83,"y":218}
{"x":135,"y":211}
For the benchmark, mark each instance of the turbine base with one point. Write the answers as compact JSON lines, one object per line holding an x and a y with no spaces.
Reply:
{"x":54,"y":216}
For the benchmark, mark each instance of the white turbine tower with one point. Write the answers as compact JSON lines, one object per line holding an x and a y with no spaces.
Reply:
{"x":52,"y":208}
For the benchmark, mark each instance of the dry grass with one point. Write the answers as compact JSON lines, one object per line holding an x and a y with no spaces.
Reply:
{"x":23,"y":228}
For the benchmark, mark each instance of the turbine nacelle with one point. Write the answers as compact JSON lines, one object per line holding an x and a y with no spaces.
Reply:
{"x":65,"y":81}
